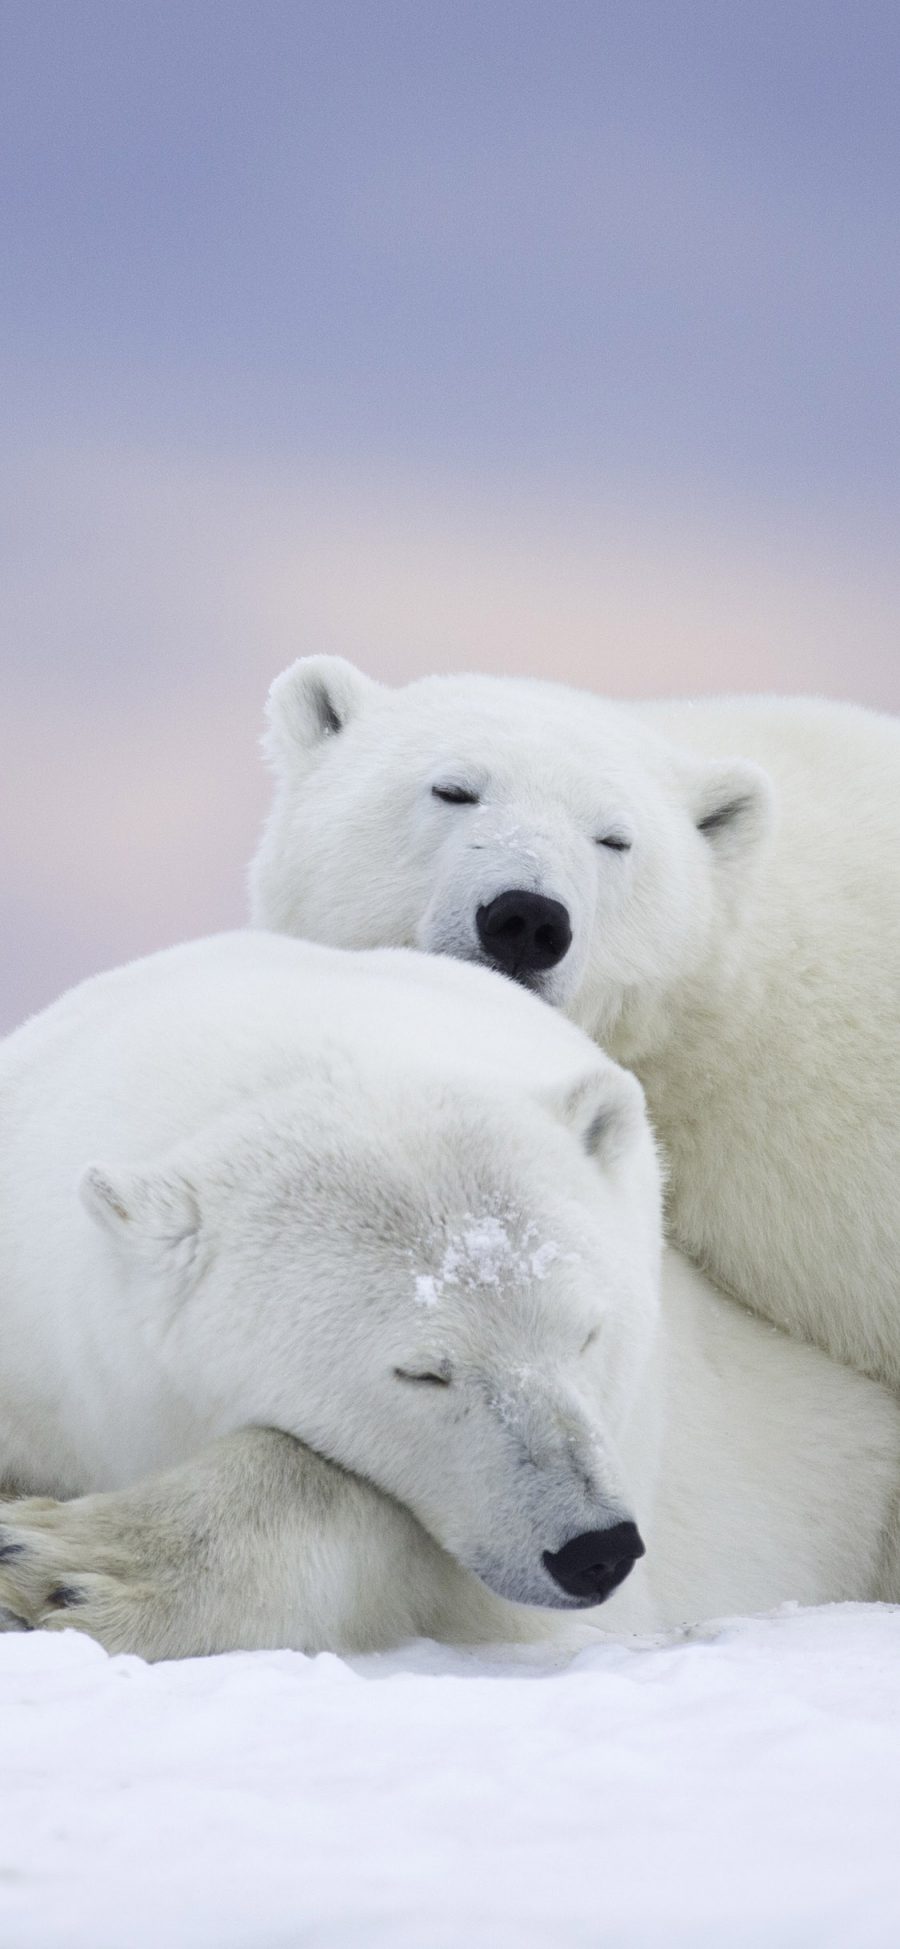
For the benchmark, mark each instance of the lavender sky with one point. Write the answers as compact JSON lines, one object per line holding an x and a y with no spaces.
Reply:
{"x":557,"y":338}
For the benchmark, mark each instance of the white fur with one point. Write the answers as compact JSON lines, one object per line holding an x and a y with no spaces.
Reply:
{"x":287,"y":1165}
{"x":742,"y":957}
{"x":302,"y":1171}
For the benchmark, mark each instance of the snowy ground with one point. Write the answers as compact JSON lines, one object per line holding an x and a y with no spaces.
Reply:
{"x":738,"y":1788}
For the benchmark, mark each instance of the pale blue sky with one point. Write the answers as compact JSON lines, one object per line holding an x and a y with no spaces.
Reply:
{"x":548,"y":336}
{"x":646,"y":235}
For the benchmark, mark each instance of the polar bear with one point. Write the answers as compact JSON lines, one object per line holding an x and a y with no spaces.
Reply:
{"x":354,"y":1330}
{"x":712,"y":890}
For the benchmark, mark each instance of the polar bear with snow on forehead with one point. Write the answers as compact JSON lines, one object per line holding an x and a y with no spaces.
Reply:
{"x":332,"y":1312}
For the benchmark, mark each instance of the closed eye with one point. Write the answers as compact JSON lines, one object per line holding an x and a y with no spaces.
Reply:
{"x":429,"y":1380}
{"x":454,"y":795}
{"x":615,"y":841}
{"x":590,"y":1339}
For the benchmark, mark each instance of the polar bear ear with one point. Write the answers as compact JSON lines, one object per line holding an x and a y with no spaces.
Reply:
{"x":155,"y":1215}
{"x":605,"y":1111}
{"x":733,"y":806}
{"x":311,"y":702}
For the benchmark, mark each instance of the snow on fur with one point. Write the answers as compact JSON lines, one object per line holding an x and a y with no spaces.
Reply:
{"x":484,"y":1252}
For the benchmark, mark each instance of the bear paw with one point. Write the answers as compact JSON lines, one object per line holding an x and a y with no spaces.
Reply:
{"x":81,"y":1566}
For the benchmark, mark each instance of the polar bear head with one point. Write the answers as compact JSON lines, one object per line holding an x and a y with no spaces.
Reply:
{"x":539,"y":830}
{"x":452,"y":1295}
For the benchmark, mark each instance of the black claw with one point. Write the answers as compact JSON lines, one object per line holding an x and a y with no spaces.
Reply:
{"x":11,"y":1621}
{"x":64,"y":1597}
{"x":8,"y":1550}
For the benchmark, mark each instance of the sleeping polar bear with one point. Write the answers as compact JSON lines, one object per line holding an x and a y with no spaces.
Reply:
{"x":395,"y":1209}
{"x":712,"y":890}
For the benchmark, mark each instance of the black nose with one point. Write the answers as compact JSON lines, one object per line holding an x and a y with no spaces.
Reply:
{"x":523,"y":933}
{"x":593,"y":1565}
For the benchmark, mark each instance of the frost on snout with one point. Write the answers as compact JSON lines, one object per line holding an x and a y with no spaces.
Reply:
{"x":525,"y":1492}
{"x":517,"y":900}
{"x":587,"y":1540}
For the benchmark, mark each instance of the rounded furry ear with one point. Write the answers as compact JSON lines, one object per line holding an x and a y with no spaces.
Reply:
{"x":604,"y":1109}
{"x":733,"y":805}
{"x":310,"y":702}
{"x":153,"y":1214}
